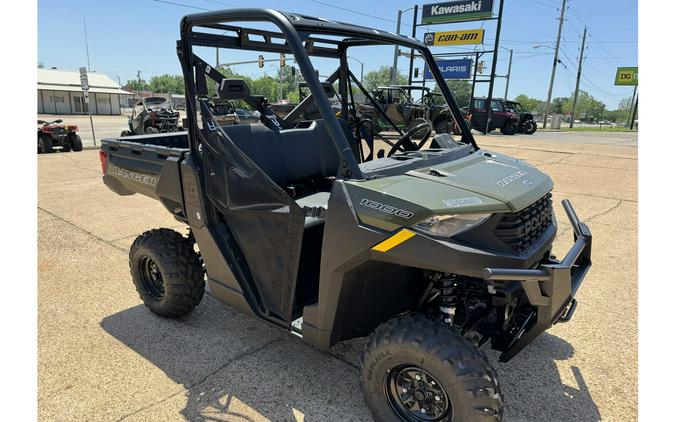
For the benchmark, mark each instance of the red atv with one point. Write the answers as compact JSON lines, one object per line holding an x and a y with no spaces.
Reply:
{"x":53,"y":134}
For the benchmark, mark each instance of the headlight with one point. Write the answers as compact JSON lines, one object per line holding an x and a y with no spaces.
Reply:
{"x":450,"y":224}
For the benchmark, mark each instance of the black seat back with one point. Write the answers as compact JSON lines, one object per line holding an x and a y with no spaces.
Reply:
{"x":288,"y":156}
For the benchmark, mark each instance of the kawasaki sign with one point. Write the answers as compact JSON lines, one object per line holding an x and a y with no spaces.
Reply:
{"x":458,"y":10}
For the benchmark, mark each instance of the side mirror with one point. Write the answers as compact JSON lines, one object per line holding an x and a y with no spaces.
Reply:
{"x":380,"y":153}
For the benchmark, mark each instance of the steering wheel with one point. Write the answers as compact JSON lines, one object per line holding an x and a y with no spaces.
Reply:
{"x":406,"y":137}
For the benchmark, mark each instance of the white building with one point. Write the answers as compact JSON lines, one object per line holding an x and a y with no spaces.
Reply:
{"x":60,"y":92}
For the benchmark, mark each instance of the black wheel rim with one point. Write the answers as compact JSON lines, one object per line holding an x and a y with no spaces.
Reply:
{"x":415,"y":395}
{"x":151,"y":278}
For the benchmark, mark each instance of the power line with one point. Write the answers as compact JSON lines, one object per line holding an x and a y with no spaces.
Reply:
{"x":183,"y":5}
{"x":356,"y":12}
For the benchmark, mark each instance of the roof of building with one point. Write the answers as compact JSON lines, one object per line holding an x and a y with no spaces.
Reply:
{"x":66,"y":80}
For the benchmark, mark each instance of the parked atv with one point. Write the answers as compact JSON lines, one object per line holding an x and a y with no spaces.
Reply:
{"x":152,"y":115}
{"x":55,"y":135}
{"x":399,"y":109}
{"x":504,"y":119}
{"x":431,"y":253}
{"x":224,"y":112}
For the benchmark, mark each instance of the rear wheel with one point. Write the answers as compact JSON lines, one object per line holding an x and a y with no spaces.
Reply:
{"x":167,"y":272}
{"x":151,"y":130}
{"x":414,"y":369}
{"x":125,"y":133}
{"x":45,"y":145}
{"x":76,"y":142}
{"x":510,"y":128}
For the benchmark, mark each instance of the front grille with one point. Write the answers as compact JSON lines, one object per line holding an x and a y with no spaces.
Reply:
{"x":520,"y":229}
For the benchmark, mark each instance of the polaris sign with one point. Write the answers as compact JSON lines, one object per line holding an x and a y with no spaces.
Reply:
{"x":455,"y":11}
{"x":452,"y":69}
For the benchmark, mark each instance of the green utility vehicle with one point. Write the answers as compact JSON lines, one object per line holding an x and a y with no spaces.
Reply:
{"x":431,"y":249}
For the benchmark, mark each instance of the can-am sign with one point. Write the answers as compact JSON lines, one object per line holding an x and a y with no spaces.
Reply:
{"x":459,"y":10}
{"x":452,"y":69}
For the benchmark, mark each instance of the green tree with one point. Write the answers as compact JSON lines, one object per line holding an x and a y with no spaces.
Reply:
{"x":382,"y":77}
{"x":529,"y":103}
{"x":588,"y":108}
{"x":136,"y":85}
{"x":169,"y":84}
{"x":559,"y":104}
{"x":461,"y":90}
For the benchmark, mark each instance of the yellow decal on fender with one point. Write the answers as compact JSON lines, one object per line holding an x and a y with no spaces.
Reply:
{"x":393,"y":241}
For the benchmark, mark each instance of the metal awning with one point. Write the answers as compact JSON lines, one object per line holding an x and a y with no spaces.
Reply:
{"x":77,"y":88}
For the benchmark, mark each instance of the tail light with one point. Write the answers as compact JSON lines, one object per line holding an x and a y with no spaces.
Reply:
{"x":103,"y":156}
{"x":74,"y":128}
{"x":46,"y":129}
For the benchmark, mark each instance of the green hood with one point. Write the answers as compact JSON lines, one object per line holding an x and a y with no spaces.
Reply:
{"x":512,"y":182}
{"x":481,"y":182}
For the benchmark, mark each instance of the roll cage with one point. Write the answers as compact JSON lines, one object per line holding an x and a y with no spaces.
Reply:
{"x":300,"y":36}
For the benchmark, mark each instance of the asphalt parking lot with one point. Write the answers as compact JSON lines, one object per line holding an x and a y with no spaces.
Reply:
{"x":104,"y":357}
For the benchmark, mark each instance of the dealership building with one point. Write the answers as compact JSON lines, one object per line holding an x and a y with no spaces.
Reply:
{"x":60,"y":92}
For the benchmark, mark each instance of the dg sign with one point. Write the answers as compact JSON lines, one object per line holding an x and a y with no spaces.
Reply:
{"x":626,"y":76}
{"x":452,"y":69}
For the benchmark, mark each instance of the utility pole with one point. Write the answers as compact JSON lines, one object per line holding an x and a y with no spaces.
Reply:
{"x":394,"y":68}
{"x":488,"y":101}
{"x":632,"y":103}
{"x":508,"y":76}
{"x":217,"y":57}
{"x":555,"y":62}
{"x":139,"y":78}
{"x":86,"y":43}
{"x":576,"y":89}
{"x":632,"y":119}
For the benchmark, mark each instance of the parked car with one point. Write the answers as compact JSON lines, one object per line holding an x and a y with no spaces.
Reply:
{"x":152,"y":115}
{"x":504,"y":119}
{"x":54,"y":134}
{"x":247,"y":116}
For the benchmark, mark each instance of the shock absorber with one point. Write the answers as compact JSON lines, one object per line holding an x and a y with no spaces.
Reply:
{"x":448,"y":300}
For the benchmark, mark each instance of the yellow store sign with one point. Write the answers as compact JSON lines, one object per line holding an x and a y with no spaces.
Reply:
{"x":469,"y":36}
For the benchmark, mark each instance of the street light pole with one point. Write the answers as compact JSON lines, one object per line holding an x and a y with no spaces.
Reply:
{"x":555,"y":62}
{"x":394,"y":68}
{"x":354,"y":58}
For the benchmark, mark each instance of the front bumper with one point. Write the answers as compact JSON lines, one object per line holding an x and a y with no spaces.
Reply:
{"x":550,"y":288}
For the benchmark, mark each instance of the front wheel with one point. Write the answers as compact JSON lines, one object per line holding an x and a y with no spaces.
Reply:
{"x":414,"y":369}
{"x":167,"y":272}
{"x":529,"y":127}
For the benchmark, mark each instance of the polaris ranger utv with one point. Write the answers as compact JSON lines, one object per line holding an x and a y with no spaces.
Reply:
{"x":431,"y":251}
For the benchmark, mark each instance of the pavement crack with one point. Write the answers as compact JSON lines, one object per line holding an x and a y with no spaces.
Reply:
{"x":58,"y":217}
{"x":189,"y":387}
{"x":605,"y":212}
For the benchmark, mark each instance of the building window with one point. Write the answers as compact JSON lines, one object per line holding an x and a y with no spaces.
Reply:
{"x":57,"y":99}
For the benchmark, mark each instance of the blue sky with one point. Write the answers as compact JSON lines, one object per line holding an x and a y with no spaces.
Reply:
{"x":126,"y":36}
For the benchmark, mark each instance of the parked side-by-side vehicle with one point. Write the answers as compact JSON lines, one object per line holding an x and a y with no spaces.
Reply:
{"x":428,"y":245}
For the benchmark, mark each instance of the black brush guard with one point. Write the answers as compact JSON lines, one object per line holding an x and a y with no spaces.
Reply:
{"x":551,"y":287}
